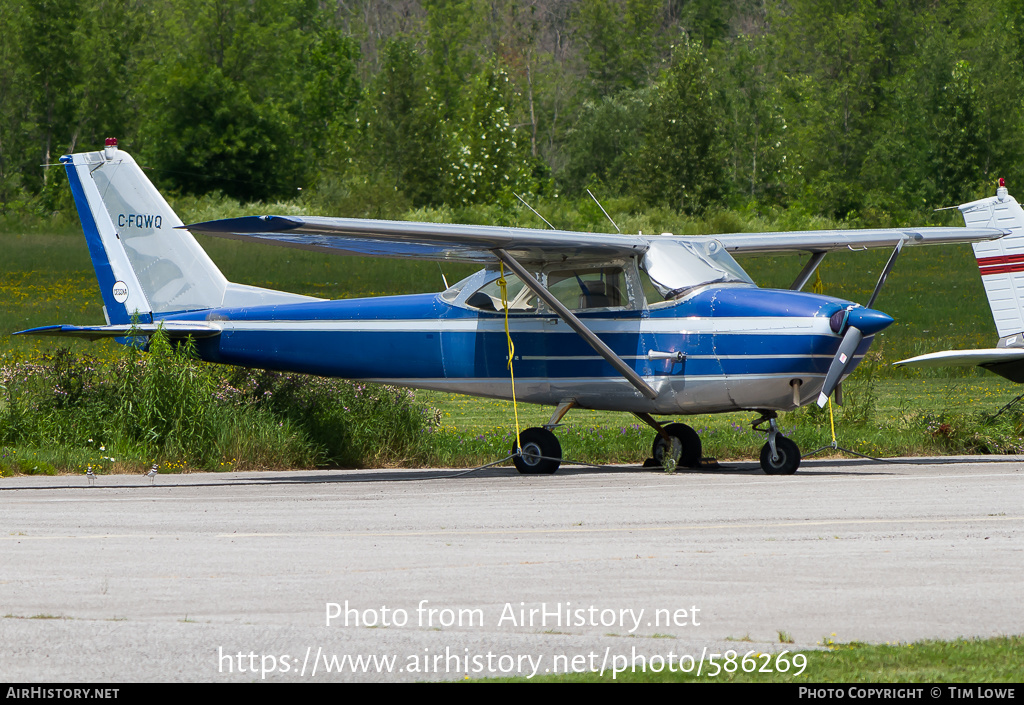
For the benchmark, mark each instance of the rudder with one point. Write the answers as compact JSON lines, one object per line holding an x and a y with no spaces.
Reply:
{"x":1001,"y":262}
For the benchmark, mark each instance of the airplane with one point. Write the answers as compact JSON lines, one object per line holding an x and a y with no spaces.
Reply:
{"x":1001,"y":263}
{"x":653,"y":325}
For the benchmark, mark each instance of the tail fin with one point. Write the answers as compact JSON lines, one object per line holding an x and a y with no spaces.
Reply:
{"x":1001,"y":261}
{"x":147,"y":266}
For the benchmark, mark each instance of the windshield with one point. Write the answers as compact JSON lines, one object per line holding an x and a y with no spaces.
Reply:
{"x":677,"y":266}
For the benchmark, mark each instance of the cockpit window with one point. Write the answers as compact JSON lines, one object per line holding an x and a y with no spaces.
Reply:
{"x":488,"y":297}
{"x":579,"y":289}
{"x":676,"y":266}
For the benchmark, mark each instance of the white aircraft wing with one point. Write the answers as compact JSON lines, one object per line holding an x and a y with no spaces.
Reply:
{"x":477,"y":243}
{"x":831,"y":240}
{"x":417,"y":240}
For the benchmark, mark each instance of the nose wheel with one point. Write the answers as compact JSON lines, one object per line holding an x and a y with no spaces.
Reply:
{"x":541,"y":452}
{"x":779,"y":456}
{"x":784,"y":461}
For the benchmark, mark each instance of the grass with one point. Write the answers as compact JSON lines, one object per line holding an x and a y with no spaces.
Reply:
{"x":882,"y":417}
{"x":67,"y":411}
{"x":995,"y":660}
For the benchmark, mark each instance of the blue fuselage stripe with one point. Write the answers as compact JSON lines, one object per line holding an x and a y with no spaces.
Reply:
{"x":421,"y":336}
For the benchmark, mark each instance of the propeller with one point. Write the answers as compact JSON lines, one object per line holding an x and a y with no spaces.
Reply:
{"x":853,"y":323}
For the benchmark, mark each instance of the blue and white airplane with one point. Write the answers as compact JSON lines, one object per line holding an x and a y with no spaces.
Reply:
{"x":651,"y":325}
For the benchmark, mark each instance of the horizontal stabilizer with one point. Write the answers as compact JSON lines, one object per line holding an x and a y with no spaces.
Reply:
{"x":1005,"y":362}
{"x":173,"y":331}
{"x":961,"y":358}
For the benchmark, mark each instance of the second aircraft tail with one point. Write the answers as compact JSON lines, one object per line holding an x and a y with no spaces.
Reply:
{"x":1001,"y":261}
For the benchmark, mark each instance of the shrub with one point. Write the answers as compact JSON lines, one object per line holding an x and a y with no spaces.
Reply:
{"x":166,"y":406}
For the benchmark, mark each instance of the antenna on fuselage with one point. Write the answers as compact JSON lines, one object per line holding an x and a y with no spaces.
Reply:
{"x":534,"y":212}
{"x":443,"y":277}
{"x":605,"y":212}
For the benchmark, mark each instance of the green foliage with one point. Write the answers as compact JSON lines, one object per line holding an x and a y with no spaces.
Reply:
{"x":620,"y":46}
{"x":869,"y":113}
{"x":451,"y":28}
{"x":978,"y":433}
{"x":679,"y":163}
{"x":489,"y":161}
{"x":604,"y":140}
{"x":219,"y":139}
{"x":351,"y":424}
{"x":754,"y":124}
{"x":399,"y":133}
{"x":957,"y":161}
{"x":163,"y":403}
{"x":331,"y":89}
{"x":166,"y":407}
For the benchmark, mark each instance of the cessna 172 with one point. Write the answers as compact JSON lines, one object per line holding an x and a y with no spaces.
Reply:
{"x":1001,"y":263}
{"x":651,"y":325}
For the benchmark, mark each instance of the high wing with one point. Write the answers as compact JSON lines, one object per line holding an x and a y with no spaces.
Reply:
{"x":431,"y":241}
{"x":477,"y":243}
{"x":832,"y":240}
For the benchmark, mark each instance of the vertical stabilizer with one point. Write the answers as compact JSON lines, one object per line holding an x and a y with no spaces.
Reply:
{"x":1001,"y":261}
{"x":144,"y":264}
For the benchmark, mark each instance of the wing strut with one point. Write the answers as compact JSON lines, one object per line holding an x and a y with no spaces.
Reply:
{"x":805,"y":274}
{"x":577,"y":325}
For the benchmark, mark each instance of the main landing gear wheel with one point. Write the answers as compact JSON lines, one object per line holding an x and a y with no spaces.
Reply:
{"x":683,"y":447}
{"x":787,"y":460}
{"x":542,"y":453}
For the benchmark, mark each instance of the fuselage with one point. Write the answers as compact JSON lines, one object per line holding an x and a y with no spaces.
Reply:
{"x":742,"y":348}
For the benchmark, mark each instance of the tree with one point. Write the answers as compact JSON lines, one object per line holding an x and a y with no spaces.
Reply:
{"x":330,"y":89}
{"x":679,"y":163}
{"x":452,"y":26}
{"x":220,"y":139}
{"x":603,"y":142}
{"x":754,"y":122}
{"x":490,"y":158}
{"x":222,"y":113}
{"x":619,"y":43}
{"x":400,"y":131}
{"x":50,"y":57}
{"x":956,"y":160}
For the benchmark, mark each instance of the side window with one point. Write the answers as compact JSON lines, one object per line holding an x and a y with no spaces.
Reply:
{"x":488,"y":297}
{"x":589,"y":288}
